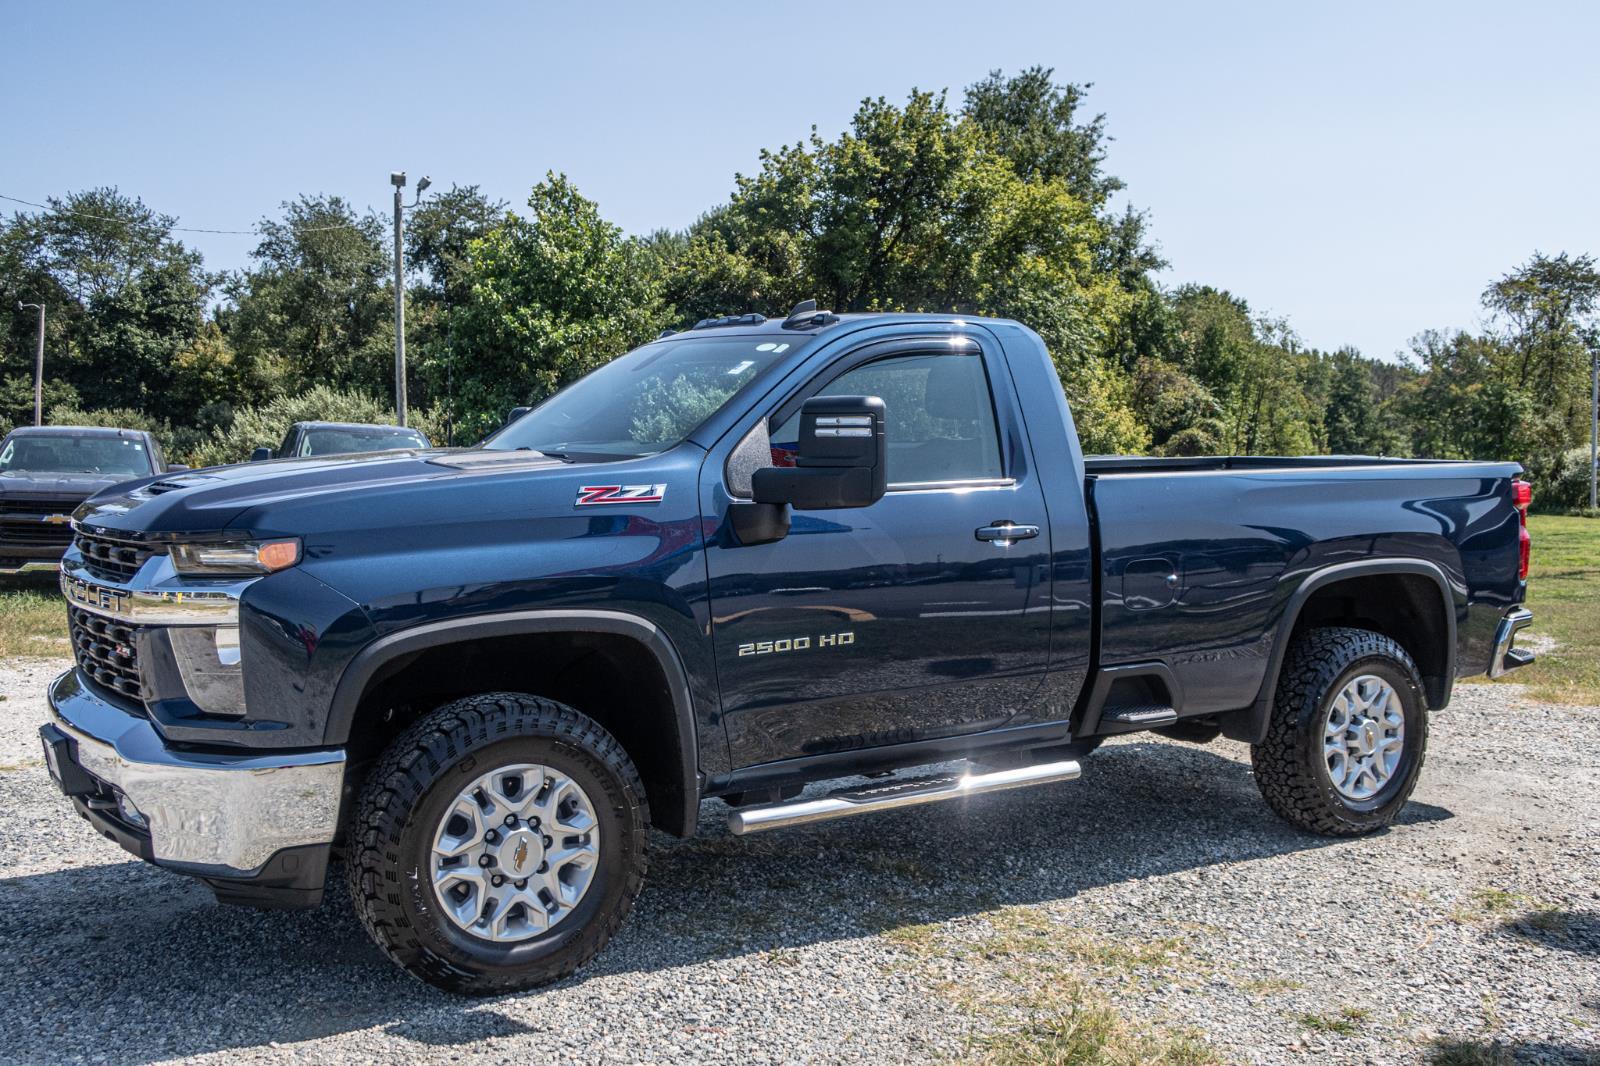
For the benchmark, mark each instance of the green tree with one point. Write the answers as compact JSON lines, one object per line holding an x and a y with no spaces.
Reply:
{"x":1033,"y":122}
{"x":317,"y":306}
{"x":1546,"y":309}
{"x":554,"y":294}
{"x":123,"y":295}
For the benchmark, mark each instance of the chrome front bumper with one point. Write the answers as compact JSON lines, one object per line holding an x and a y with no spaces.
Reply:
{"x":220,"y":816}
{"x":1505,"y":656}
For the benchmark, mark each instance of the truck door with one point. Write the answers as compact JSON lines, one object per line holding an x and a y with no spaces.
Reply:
{"x":924,"y":615}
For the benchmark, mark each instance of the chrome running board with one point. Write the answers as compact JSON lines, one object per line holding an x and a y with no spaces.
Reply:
{"x":889,"y":795}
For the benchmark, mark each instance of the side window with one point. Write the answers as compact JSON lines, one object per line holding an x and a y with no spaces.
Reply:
{"x":938,"y":414}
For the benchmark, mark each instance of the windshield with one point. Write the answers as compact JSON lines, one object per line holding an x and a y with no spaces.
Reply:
{"x":338,"y":441}
{"x":73,"y":454}
{"x":646,"y":401}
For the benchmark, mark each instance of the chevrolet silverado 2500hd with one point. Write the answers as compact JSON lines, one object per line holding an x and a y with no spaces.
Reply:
{"x":740,"y":559}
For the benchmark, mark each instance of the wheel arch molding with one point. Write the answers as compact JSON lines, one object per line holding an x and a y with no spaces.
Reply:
{"x":391,"y":653}
{"x":1436,"y":659}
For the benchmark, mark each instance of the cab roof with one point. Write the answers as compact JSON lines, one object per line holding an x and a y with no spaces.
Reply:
{"x":78,"y":431}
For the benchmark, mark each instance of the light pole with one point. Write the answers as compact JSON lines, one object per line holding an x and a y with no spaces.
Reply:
{"x":398,"y":180}
{"x":1594,"y":425}
{"x":38,"y":366}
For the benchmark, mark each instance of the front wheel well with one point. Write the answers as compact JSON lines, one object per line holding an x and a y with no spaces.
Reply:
{"x":612,"y":678}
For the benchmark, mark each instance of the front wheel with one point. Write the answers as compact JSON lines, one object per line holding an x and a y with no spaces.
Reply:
{"x":1347,"y":736}
{"x":498,"y":844}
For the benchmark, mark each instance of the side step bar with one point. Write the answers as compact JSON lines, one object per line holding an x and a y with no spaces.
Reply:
{"x":1142,"y":716}
{"x":867,"y":799}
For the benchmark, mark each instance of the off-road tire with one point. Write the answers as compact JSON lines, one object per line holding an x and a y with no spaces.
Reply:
{"x":1289,"y":764}
{"x":398,"y":809}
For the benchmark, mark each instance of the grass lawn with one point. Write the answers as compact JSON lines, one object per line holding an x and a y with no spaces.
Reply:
{"x":33,"y":617}
{"x":1564,"y":595}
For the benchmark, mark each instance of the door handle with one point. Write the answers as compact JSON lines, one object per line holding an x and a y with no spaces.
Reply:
{"x":1005,"y":532}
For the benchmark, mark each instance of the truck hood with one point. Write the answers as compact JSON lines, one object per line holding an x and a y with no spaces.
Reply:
{"x":208,"y":500}
{"x":65,"y":486}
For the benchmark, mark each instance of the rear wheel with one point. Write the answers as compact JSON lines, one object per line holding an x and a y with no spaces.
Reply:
{"x":1348,"y":733}
{"x":498,"y":844}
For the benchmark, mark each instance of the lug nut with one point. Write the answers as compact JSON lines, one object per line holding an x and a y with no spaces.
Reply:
{"x":533,"y":823}
{"x":522,"y":883}
{"x":491,"y":836}
{"x":547,"y":842}
{"x":543,"y":866}
{"x":511,"y":819}
{"x":497,"y":881}
{"x":484,"y":860}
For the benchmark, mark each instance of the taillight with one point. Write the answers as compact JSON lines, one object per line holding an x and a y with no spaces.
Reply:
{"x":1522,"y":496}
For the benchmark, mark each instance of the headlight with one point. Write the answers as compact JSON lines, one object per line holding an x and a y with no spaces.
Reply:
{"x":235,"y":559}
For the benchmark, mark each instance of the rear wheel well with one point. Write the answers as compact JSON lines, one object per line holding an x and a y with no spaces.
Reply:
{"x":1404,"y":607}
{"x":614,"y":679}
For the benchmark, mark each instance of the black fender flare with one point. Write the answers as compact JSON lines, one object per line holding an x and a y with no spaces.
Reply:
{"x":1251,"y":724}
{"x":370,"y":661}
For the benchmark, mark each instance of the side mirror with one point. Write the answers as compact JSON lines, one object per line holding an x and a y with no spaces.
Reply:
{"x":173,"y":468}
{"x":260,"y":454}
{"x":842,"y":459}
{"x":516,"y":413}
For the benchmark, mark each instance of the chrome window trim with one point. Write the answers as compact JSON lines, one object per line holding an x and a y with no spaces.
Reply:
{"x":945,"y":486}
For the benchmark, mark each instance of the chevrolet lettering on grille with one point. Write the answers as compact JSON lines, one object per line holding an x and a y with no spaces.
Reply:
{"x":95,"y":597}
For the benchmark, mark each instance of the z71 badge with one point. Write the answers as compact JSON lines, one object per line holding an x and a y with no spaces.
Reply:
{"x":592,"y":495}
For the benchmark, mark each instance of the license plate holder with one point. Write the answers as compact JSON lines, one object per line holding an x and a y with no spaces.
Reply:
{"x":60,"y":759}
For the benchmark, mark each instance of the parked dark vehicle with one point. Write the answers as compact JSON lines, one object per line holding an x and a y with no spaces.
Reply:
{"x":308,"y":439}
{"x":740,"y":559}
{"x":47,"y":471}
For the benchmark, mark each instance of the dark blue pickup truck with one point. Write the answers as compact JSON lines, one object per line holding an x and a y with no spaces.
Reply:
{"x":738,"y":560}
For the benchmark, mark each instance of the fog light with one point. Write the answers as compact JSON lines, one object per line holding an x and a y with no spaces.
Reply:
{"x":208,"y":661}
{"x":131,"y":814}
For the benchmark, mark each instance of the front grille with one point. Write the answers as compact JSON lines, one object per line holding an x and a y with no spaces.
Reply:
{"x":111,"y":559}
{"x":106,"y":650}
{"x":45,"y":534}
{"x":10,"y":505}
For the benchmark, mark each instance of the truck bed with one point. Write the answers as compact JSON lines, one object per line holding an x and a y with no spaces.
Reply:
{"x":1156,"y":464}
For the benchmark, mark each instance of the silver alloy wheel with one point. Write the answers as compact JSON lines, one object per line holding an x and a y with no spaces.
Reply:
{"x":515,"y":852}
{"x":1363,"y":737}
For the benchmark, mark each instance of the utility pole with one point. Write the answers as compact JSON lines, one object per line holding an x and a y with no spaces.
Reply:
{"x":39,"y":365}
{"x":1594,"y":424}
{"x":398,"y":180}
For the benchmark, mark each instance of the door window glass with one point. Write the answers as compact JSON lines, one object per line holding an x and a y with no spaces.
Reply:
{"x":937,"y":413}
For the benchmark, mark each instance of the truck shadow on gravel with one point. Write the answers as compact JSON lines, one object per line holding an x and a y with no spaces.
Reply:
{"x":128,"y":961}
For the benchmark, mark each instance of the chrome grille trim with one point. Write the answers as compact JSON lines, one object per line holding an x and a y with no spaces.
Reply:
{"x":155,"y":595}
{"x":112,"y":558}
{"x":107,"y":651}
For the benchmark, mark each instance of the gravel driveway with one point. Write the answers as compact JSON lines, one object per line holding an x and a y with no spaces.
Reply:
{"x":1159,"y":884}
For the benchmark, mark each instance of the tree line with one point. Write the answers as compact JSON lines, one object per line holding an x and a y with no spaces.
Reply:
{"x":995,"y":203}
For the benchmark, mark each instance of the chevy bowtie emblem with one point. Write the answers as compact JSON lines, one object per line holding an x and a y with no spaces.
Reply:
{"x":590,"y":495}
{"x":519,"y":857}
{"x":58,"y":519}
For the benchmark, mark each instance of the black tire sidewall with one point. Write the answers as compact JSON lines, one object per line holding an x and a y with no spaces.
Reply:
{"x":621,"y":837}
{"x":1380,"y":809}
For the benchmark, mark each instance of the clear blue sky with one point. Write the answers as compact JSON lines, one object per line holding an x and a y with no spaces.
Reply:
{"x":1362,"y":169}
